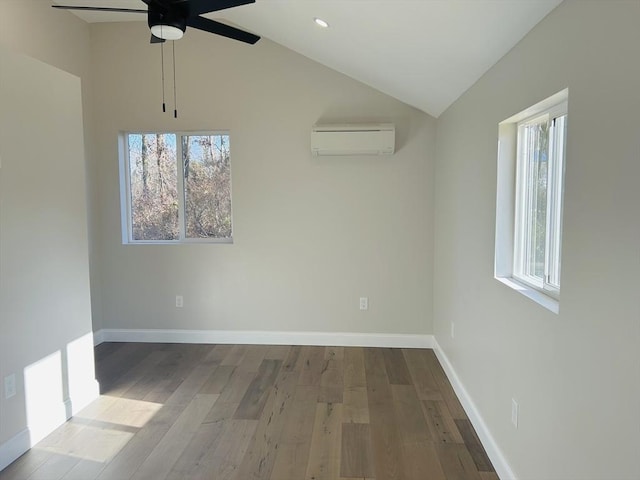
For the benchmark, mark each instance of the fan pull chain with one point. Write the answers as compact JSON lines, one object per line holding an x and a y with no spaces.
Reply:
{"x":164,"y":105}
{"x":175,"y":103}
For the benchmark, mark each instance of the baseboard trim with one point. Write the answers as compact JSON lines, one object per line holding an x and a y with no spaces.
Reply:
{"x":245,"y":337}
{"x":20,"y":443}
{"x":493,"y":450}
{"x":13,"y":448}
{"x":97,"y":337}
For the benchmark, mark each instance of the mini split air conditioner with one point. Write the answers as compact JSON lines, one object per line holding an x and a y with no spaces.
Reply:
{"x":361,"y":139}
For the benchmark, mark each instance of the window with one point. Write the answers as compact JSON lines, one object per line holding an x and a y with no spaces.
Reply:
{"x":176,"y":187}
{"x":538,"y":223}
{"x":531,"y":163}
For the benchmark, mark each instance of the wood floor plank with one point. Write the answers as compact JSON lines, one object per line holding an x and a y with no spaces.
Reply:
{"x":356,"y":457}
{"x":457,"y":462}
{"x":355,"y":406}
{"x":26,"y":464}
{"x":258,"y":462}
{"x":278,"y":352}
{"x":412,"y":424}
{"x":232,"y":393}
{"x":446,"y":390}
{"x":56,"y":467}
{"x":223,"y":462}
{"x":441,"y":423}
{"x":193,"y":461}
{"x":354,"y":374}
{"x":252,"y":359}
{"x":255,"y":397}
{"x":293,"y":361}
{"x":324,"y":456}
{"x":418,"y":451}
{"x":115,"y":366}
{"x":421,"y":375}
{"x":136,"y":382}
{"x":385,"y":439}
{"x":85,"y":470}
{"x":474,"y":446}
{"x":293,"y":449}
{"x":313,"y":363}
{"x":396,"y":367}
{"x":190,"y":387}
{"x":129,"y":459}
{"x":102,"y":351}
{"x":159,"y":463}
{"x":331,"y":377}
{"x":235,"y":355}
{"x":218,"y":379}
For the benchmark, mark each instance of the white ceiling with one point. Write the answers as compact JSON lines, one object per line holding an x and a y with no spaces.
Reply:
{"x":425,"y":53}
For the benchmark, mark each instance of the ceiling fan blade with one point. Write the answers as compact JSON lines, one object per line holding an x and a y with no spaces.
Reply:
{"x":155,"y":39}
{"x":99,"y":9}
{"x":198,"y":7}
{"x":218,"y":28}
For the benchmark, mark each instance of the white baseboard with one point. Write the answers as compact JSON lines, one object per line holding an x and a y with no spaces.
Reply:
{"x":14,"y":447}
{"x":20,"y":443}
{"x":488,"y":442}
{"x":97,"y":338}
{"x":242,"y":337}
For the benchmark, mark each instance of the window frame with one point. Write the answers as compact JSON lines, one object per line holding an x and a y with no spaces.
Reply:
{"x":125,"y":189}
{"x":553,"y":219}
{"x":506,"y":183}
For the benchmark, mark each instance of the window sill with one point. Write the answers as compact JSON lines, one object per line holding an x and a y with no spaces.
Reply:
{"x":540,"y":298}
{"x":190,"y":241}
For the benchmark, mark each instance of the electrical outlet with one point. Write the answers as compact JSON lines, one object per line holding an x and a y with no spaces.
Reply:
{"x":10,"y":385}
{"x":179,"y":301}
{"x":364,"y":303}
{"x":514,"y":412}
{"x":453,"y":332}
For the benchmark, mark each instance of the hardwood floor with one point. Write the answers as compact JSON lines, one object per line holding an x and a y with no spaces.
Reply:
{"x":175,"y":411}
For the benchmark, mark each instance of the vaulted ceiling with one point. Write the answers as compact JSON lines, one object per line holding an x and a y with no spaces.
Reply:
{"x":425,"y":53}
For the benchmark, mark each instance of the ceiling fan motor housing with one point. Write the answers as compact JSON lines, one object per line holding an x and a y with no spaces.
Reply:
{"x":173,"y":15}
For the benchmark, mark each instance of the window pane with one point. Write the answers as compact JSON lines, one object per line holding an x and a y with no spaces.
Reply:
{"x":207,"y":186}
{"x":154,"y":186}
{"x":556,"y":174}
{"x":535,"y":161}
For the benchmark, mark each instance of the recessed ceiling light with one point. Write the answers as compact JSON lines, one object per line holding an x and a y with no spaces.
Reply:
{"x":321,"y":22}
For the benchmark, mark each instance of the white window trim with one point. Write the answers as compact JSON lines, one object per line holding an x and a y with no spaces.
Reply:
{"x":125,"y":191}
{"x":505,"y":241}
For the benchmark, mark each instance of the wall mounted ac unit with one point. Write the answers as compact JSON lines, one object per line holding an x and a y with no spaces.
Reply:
{"x":361,"y":139}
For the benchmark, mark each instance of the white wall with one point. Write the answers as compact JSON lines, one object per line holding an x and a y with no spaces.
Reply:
{"x":576,"y":375}
{"x":45,"y":312}
{"x":62,"y":40}
{"x":311,"y":235}
{"x":46,"y":336}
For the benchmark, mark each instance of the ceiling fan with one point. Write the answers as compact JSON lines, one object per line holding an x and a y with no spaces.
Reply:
{"x":168,"y":19}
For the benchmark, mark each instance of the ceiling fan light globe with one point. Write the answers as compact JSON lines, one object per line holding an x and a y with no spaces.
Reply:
{"x":167,"y":32}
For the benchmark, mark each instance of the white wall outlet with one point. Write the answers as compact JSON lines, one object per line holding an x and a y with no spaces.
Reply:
{"x":179,"y":301}
{"x":453,"y":331}
{"x":514,"y":412}
{"x":10,"y":385}
{"x":364,"y":303}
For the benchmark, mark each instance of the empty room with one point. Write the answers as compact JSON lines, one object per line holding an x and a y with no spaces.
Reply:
{"x":319,"y":239}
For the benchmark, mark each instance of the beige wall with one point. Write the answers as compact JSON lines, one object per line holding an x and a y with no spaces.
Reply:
{"x":311,"y":235}
{"x":576,"y":374}
{"x":45,"y":306}
{"x":44,"y":271}
{"x":62,"y":40}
